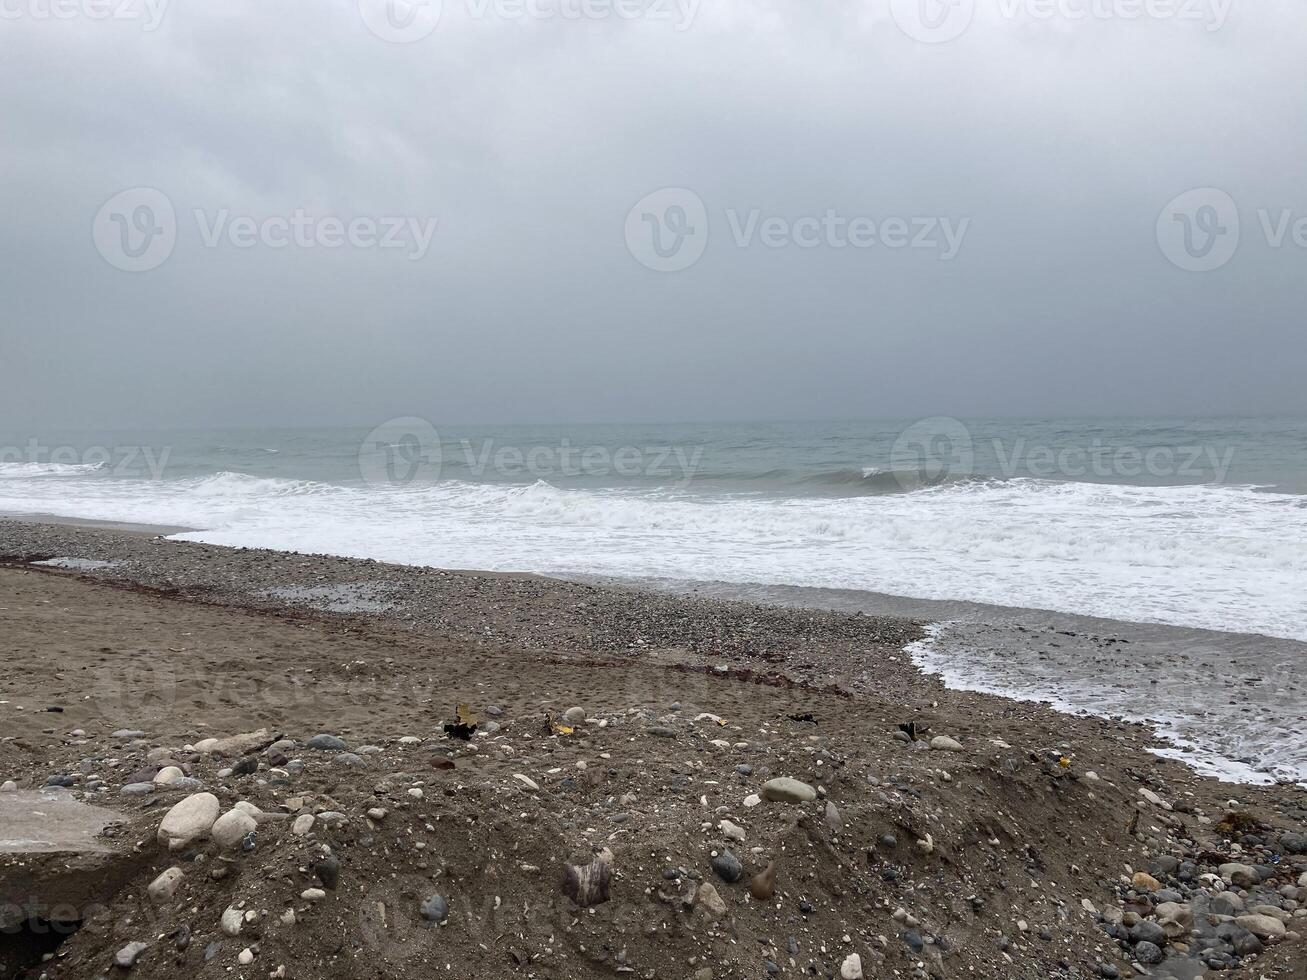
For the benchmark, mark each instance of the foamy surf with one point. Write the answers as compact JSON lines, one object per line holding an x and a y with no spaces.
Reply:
{"x":1229,"y":709}
{"x":29,"y":470}
{"x":1222,"y":558}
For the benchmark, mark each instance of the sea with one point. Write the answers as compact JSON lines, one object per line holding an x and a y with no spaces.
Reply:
{"x":1146,"y":568}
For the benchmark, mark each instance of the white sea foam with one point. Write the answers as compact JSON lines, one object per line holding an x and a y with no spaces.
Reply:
{"x":1226,"y":558}
{"x":28,"y":470}
{"x":1225,"y":740}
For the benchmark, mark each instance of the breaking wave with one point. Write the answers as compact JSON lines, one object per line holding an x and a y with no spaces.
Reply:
{"x":1226,"y":558}
{"x":26,"y":470}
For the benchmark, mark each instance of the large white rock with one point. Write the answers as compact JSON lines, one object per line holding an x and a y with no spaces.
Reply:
{"x":188,"y":821}
{"x":786,"y":790}
{"x":731,"y":831}
{"x":851,"y":968}
{"x":1272,"y":911}
{"x":1177,"y":919}
{"x":1262,"y":926}
{"x":166,"y":775}
{"x":1240,"y":875}
{"x":1154,"y":799}
{"x":708,"y":901}
{"x":235,"y":745}
{"x":231,"y":827}
{"x":232,"y":921}
{"x":126,"y":957}
{"x":163,"y":887}
{"x":942,"y":743}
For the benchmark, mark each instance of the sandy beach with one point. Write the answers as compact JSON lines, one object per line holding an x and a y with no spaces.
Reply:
{"x":672,"y":748}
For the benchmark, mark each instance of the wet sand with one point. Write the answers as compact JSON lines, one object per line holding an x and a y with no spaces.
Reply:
{"x":1229,"y":704}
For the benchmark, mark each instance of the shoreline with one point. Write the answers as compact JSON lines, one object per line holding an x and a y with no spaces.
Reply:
{"x":1227,"y":704}
{"x":991,"y":649}
{"x":913,"y":854}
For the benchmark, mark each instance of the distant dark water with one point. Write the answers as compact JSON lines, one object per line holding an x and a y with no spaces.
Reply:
{"x":808,"y":458}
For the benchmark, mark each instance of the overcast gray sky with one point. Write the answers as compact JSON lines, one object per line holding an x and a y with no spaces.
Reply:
{"x":1034,"y":152}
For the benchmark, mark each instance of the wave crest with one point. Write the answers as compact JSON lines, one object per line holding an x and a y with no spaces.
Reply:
{"x":26,"y":470}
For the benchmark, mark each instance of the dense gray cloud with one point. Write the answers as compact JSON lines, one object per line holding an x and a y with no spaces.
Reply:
{"x":1041,"y":145}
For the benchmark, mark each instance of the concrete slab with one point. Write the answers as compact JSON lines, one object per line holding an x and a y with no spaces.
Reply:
{"x":50,"y":820}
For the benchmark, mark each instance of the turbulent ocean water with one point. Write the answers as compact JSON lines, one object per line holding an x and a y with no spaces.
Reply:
{"x":1197,"y":524}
